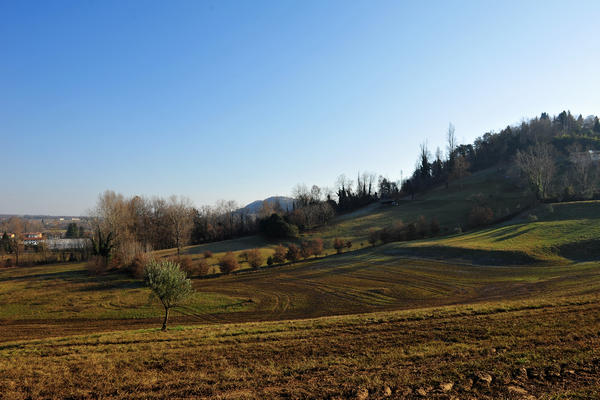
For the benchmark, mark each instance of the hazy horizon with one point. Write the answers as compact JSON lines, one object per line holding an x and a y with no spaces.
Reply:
{"x":244,"y":100}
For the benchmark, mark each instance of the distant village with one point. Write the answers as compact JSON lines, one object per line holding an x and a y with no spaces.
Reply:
{"x":54,"y":233}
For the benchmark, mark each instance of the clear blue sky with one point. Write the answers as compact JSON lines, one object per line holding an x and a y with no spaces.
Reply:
{"x":243,"y":99}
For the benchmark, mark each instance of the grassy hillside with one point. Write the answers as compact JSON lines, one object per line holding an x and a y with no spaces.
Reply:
{"x":558,"y":233}
{"x":58,"y":297}
{"x":488,"y":351}
{"x":450,"y":206}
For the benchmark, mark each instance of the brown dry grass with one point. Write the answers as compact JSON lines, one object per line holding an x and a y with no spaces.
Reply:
{"x":334,"y":357}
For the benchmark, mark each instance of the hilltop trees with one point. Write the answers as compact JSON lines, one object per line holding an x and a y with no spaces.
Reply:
{"x":169,"y":284}
{"x":537,"y":163}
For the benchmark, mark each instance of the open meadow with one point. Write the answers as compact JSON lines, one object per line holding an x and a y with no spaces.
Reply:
{"x":363,"y":324}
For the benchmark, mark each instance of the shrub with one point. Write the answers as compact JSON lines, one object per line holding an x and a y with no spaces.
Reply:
{"x":338,"y":245}
{"x":293,"y":253}
{"x":422,"y":227}
{"x":480,"y":216}
{"x":138,"y":264}
{"x":532,"y":218}
{"x":186,"y":264}
{"x":270,"y":261}
{"x":411,"y":231}
{"x":203,"y":267}
{"x":549,"y":208}
{"x":97,"y":265}
{"x":393,"y":233}
{"x":228,"y":263}
{"x":305,"y":250}
{"x":316,"y":246}
{"x":255,"y":259}
{"x":348,"y":244}
{"x":8,"y":263}
{"x":208,"y":254}
{"x":279,"y":256}
{"x":374,"y":235}
{"x":434,"y":227}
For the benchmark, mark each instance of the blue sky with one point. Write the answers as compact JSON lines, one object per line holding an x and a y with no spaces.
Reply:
{"x":242,"y":100}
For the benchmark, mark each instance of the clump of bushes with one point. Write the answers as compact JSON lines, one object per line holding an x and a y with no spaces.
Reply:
{"x":275,"y":227}
{"x":279,"y":255}
{"x":338,"y":245}
{"x":138,"y":264}
{"x":228,"y":263}
{"x":203,"y":267}
{"x":255,"y":258}
{"x":293,"y":253}
{"x":480,"y":216}
{"x":208,"y":254}
{"x":316,"y":246}
{"x":374,"y":236}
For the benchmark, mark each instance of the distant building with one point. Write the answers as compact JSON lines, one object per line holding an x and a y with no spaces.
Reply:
{"x":67,"y":244}
{"x":32,"y":238}
{"x":590,"y":156}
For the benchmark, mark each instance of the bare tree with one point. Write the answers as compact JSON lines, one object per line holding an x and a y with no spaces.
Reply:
{"x":538,"y":166}
{"x":450,"y":141}
{"x":15,"y":226}
{"x":460,"y":169}
{"x":582,"y":170}
{"x":179,"y":214}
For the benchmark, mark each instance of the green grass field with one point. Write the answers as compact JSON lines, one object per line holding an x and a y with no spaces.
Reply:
{"x":562,"y":233}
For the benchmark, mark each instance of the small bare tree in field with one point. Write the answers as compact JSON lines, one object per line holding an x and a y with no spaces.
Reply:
{"x":169,"y":283}
{"x":538,"y":166}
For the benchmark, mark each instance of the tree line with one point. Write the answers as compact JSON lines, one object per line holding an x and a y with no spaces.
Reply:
{"x":551,"y":154}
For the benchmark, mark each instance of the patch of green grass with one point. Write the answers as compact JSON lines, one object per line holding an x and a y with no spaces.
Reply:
{"x":571,"y":231}
{"x":69,"y":292}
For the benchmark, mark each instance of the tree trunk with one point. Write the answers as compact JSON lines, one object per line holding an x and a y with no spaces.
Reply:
{"x":164,"y":327}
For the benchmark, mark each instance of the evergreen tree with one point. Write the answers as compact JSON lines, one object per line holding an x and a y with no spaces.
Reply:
{"x":72,"y":231}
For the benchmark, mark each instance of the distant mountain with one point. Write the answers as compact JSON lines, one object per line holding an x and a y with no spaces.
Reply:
{"x":286,"y":203}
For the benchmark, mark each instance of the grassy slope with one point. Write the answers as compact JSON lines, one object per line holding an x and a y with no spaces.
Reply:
{"x":570,"y":231}
{"x":449,"y":206}
{"x":368,"y":280}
